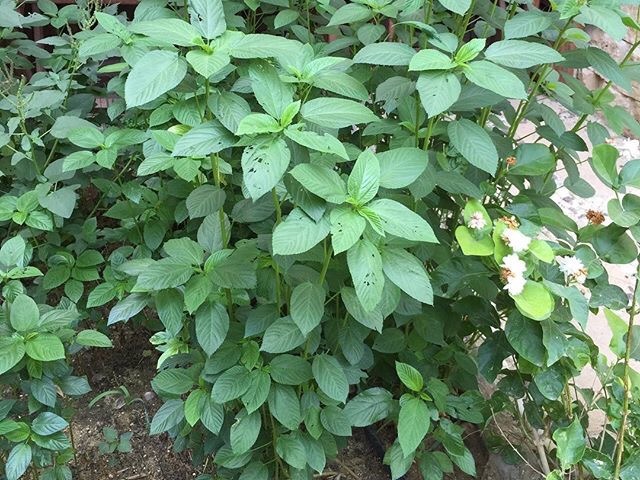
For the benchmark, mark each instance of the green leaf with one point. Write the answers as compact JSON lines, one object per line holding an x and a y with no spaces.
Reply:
{"x":521,"y":54}
{"x":533,"y":159}
{"x":365,"y":267}
{"x":613,"y":245}
{"x":606,"y":66}
{"x":193,"y":406}
{"x":12,"y":252}
{"x":245,"y":431}
{"x":165,"y":273}
{"x":400,"y":167}
{"x":154,"y":74}
{"x":255,"y":470}
{"x":438,"y":91}
{"x":408,"y":273}
{"x":413,"y":423}
{"x":86,"y":137}
{"x":411,"y":377}
{"x":168,"y":416}
{"x":173,"y":30}
{"x":45,"y":347}
{"x":527,"y":23}
{"x":470,"y":245}
{"x":364,"y":179}
{"x":282,"y":336}
{"x":335,"y":421}
{"x":321,"y":181}
{"x":285,"y":406}
{"x":257,"y":123}
{"x":232,"y":384}
{"x":212,"y":325}
{"x":127,"y":308}
{"x":475,"y":144}
{"x":208,"y":17}
{"x":535,"y":301}
{"x":207,"y":63}
{"x":11,"y":352}
{"x":322,"y":143}
{"x":330,"y":376}
{"x":350,"y":13}
{"x":298,"y":233}
{"x":18,"y":461}
{"x":336,"y":112}
{"x":205,"y":200}
{"x":24,"y":314}
{"x":307,"y":306}
{"x":48,"y":423}
{"x":258,"y":391}
{"x":571,"y":444}
{"x":525,"y":337}
{"x":174,"y":381}
{"x":398,"y":220}
{"x":385,"y":53}
{"x":93,"y":338}
{"x":431,"y":60}
{"x":270,"y":91}
{"x":263,"y":165}
{"x":203,"y":140}
{"x":346,"y":228}
{"x":495,"y":79}
{"x":290,"y":370}
{"x":285,"y":17}
{"x":456,"y":6}
{"x":369,"y":407}
{"x":212,"y":415}
{"x":603,"y":163}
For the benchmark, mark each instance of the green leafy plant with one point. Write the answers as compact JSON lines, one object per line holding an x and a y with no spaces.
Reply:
{"x":329,"y":217}
{"x":114,"y":441}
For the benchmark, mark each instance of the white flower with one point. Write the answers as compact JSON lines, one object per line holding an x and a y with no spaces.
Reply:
{"x":512,"y":273}
{"x":514,"y":265}
{"x":573,"y":269}
{"x":515,"y":239}
{"x":515,"y":285}
{"x":477,"y":221}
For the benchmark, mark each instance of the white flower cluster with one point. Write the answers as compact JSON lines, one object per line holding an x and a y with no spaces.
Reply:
{"x":573,"y":269}
{"x":477,"y":221}
{"x":515,"y":239}
{"x":513,"y":269}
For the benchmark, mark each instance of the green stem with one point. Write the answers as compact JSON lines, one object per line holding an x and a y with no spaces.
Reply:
{"x":276,"y":203}
{"x":627,"y":383}
{"x":325,"y":265}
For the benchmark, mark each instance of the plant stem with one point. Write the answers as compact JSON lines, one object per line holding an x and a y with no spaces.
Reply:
{"x":325,"y":265}
{"x":625,"y":378}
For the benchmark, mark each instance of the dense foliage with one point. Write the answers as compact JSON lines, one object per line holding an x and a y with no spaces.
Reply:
{"x":328,"y":216}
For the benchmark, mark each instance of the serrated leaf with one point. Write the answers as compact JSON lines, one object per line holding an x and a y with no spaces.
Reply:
{"x":154,"y":74}
{"x":307,"y":306}
{"x":330,"y":377}
{"x":475,"y":144}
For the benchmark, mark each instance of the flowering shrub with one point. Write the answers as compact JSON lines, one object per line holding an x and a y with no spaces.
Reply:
{"x":333,"y":216}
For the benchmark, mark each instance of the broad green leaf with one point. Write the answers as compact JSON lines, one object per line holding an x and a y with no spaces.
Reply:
{"x":11,"y":352}
{"x":364,"y":179}
{"x":86,"y":137}
{"x":365,"y":267}
{"x":212,"y":415}
{"x":533,"y":159}
{"x":346,"y":228}
{"x":400,"y":167}
{"x":411,"y":377}
{"x":340,"y":83}
{"x":24,"y":314}
{"x":321,"y":181}
{"x":270,"y":91}
{"x":495,"y":79}
{"x":527,"y":23}
{"x":93,"y":338}
{"x":165,"y":273}
{"x":431,"y":60}
{"x":232,"y":384}
{"x":245,"y":431}
{"x":174,"y":381}
{"x":475,"y":144}
{"x":603,"y":163}
{"x":438,"y":91}
{"x":257,"y":123}
{"x":307,"y":306}
{"x":298,"y":233}
{"x":203,"y":140}
{"x":208,"y":17}
{"x":281,"y":336}
{"x":413,"y":423}
{"x":525,"y":336}
{"x":263,"y":165}
{"x":285,"y":406}
{"x":606,"y":66}
{"x":212,"y":325}
{"x":12,"y":252}
{"x":18,"y":461}
{"x":336,"y":112}
{"x":385,"y":53}
{"x":173,"y":30}
{"x":207,"y":64}
{"x":482,"y":246}
{"x":322,"y":143}
{"x":44,"y":347}
{"x":398,"y":220}
{"x":535,"y":301}
{"x":285,"y":17}
{"x":335,"y":421}
{"x":193,"y":406}
{"x":456,"y":6}
{"x":258,"y":391}
{"x":205,"y":200}
{"x":48,"y":423}
{"x":571,"y":444}
{"x":154,"y":74}
{"x":259,"y":45}
{"x":330,"y":376}
{"x":369,"y":407}
{"x":408,"y":273}
{"x":290,"y":370}
{"x":521,"y":54}
{"x":350,"y":13}
{"x":470,"y":50}
{"x":168,"y":416}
